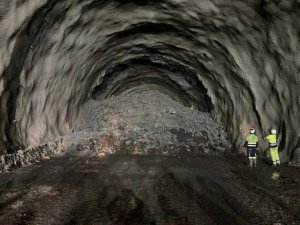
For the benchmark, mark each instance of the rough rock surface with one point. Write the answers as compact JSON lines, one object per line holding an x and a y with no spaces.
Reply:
{"x":238,"y":58}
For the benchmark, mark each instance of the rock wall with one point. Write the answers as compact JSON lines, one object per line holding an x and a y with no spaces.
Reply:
{"x":239,"y":59}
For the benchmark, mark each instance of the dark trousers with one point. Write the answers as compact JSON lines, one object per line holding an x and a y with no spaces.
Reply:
{"x":251,"y":152}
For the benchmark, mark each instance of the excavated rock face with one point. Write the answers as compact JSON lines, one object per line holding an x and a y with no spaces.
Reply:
{"x":238,"y":59}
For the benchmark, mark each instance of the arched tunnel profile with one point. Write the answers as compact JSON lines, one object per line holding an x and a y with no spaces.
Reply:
{"x":173,"y":79}
{"x":141,"y":79}
{"x":56,"y":55}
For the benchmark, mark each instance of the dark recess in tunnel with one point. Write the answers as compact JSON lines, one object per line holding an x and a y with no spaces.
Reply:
{"x":134,"y":82}
{"x":100,"y":4}
{"x":139,"y":2}
{"x":200,"y":100}
{"x":149,"y":28}
{"x":283,"y":135}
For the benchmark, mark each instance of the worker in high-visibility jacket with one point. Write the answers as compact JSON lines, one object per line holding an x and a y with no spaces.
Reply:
{"x":251,"y":144}
{"x":273,"y":147}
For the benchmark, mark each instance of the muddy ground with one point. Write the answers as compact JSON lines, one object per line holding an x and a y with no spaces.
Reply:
{"x":83,"y":188}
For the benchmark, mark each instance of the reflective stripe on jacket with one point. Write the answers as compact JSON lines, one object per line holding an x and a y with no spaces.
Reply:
{"x":273,"y":145}
{"x":251,"y":144}
{"x":272,"y":140}
{"x":252,"y":140}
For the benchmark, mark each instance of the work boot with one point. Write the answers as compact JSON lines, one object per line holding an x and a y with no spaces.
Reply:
{"x":254,"y":162}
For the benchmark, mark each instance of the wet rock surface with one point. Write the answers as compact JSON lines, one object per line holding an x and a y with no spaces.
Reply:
{"x":83,"y":188}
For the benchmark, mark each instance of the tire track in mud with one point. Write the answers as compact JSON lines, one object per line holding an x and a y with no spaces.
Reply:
{"x":52,"y":196}
{"x":203,"y":205}
{"x":263,"y":191}
{"x":90,"y":194}
{"x":136,"y":190}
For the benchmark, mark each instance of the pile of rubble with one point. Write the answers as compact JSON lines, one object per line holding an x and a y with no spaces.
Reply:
{"x":31,"y":155}
{"x":145,"y":123}
{"x":149,"y":123}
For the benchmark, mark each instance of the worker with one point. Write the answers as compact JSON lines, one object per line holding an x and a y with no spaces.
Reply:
{"x":251,"y":144}
{"x":273,"y":147}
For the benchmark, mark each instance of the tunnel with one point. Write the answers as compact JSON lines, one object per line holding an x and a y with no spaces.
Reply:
{"x":133,"y":78}
{"x":59,"y":54}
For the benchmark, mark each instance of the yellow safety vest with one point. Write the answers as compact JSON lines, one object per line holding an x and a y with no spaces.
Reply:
{"x":272,"y":140}
{"x":252,"y":140}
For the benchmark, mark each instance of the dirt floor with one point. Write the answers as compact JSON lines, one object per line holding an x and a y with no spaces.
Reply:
{"x":83,"y":188}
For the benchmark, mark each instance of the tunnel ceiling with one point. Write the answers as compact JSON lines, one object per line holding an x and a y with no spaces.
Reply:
{"x":237,"y":58}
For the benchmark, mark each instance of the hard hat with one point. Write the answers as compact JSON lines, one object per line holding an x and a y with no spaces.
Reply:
{"x":273,"y":131}
{"x":252,"y":131}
